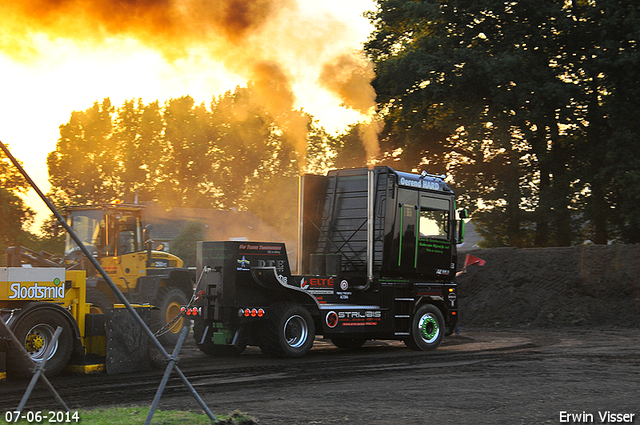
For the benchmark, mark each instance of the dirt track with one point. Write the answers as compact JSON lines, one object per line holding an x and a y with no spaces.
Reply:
{"x":542,"y":332}
{"x":477,"y":377}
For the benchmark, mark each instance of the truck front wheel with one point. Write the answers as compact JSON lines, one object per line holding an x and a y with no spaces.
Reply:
{"x":427,"y":329}
{"x":289,"y":331}
{"x":35,"y":332}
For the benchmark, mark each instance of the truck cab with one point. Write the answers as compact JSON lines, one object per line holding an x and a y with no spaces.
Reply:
{"x":379,"y":238}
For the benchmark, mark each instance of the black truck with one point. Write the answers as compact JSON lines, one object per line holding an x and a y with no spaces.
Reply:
{"x":376,"y":260}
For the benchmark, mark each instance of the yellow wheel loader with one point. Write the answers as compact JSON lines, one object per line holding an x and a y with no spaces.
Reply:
{"x":114,"y":235}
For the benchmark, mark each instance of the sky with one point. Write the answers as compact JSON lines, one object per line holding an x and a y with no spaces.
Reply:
{"x":60,"y":59}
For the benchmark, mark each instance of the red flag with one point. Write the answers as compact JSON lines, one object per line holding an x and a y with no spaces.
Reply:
{"x":471,"y":260}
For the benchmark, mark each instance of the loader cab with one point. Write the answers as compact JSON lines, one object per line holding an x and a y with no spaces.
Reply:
{"x":108,"y":231}
{"x":113,"y":235}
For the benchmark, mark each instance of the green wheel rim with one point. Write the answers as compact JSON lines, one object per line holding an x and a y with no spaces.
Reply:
{"x":429,"y":329}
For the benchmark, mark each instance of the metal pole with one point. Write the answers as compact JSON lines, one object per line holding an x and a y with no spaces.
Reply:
{"x":102,"y":272}
{"x":371,"y":196}
{"x":167,"y":373}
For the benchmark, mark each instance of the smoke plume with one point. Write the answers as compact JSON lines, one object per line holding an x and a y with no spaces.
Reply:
{"x":349,"y":76}
{"x":261,"y":40}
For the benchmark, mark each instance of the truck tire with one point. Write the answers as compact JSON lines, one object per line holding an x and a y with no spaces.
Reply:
{"x":349,"y":343}
{"x":169,"y":301}
{"x":99,"y":300}
{"x":288,"y":331}
{"x":35,"y":331}
{"x":427,"y":329}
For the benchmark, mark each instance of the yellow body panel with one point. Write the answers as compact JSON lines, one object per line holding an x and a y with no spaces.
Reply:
{"x":86,"y":369}
{"x":67,"y":288}
{"x":125,"y":270}
{"x":31,"y":284}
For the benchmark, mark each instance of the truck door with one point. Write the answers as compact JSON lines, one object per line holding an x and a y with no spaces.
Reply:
{"x":408,"y":215}
{"x":434,"y":235}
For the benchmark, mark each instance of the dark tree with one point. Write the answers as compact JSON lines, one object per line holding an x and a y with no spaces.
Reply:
{"x":515,"y":101}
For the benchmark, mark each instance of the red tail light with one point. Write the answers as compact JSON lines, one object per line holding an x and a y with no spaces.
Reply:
{"x":250,"y":312}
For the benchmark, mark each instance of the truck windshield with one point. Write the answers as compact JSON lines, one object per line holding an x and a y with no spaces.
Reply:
{"x":86,"y":224}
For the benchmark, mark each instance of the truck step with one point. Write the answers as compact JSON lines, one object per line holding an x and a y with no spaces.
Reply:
{"x":348,"y":307}
{"x":402,"y":334}
{"x":407,"y":299}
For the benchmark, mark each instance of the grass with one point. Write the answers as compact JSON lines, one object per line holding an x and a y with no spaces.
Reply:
{"x":138,"y":415}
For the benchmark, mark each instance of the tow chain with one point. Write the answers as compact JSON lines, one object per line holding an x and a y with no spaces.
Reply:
{"x":172,"y":323}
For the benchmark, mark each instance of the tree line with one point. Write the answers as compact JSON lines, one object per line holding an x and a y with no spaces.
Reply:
{"x":230,"y":154}
{"x":528,"y":107}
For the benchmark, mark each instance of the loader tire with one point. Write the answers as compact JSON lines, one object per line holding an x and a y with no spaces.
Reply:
{"x":168,"y":302}
{"x":35,"y":332}
{"x":427,"y":329}
{"x":288,"y":331}
{"x":99,"y":300}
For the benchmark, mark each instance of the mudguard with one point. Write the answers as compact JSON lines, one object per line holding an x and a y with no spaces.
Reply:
{"x":268,"y":278}
{"x":14,"y":319}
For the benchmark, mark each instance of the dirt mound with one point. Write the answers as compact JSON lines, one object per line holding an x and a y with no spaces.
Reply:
{"x":552,"y":287}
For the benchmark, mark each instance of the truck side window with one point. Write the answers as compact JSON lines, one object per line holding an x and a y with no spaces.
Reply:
{"x":434,"y":218}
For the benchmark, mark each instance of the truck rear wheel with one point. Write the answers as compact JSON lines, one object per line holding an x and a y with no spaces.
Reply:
{"x":427,"y":329}
{"x":289,"y":331}
{"x":35,"y":332}
{"x":169,"y":301}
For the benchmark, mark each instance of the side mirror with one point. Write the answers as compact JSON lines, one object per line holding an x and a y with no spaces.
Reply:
{"x":462,"y":214}
{"x":146,"y":233}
